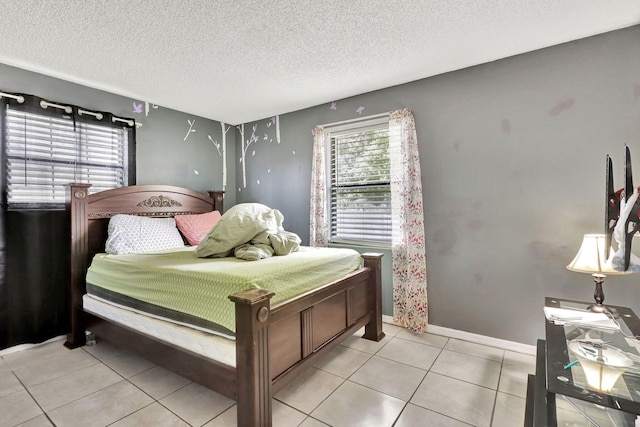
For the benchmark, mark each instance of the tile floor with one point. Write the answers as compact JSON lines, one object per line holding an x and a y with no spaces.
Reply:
{"x":404,"y":380}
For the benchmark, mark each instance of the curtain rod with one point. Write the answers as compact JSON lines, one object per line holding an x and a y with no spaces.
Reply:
{"x":344,"y":122}
{"x":18,"y":98}
{"x":68,"y":109}
{"x":91,"y":113}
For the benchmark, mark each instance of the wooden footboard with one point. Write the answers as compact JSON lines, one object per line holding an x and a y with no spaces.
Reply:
{"x":273,"y":344}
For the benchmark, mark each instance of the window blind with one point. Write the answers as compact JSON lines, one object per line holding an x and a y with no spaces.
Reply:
{"x":360,"y":191}
{"x":44,"y":153}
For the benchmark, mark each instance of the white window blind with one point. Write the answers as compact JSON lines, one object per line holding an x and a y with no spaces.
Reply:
{"x":360,"y":194}
{"x":44,"y":153}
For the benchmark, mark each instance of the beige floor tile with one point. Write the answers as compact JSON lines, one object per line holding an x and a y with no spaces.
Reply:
{"x":103,"y":350}
{"x":515,"y":369}
{"x":389,"y":377}
{"x":457,"y":399}
{"x":128,"y":365}
{"x":391,"y":330}
{"x":17,"y":408}
{"x":414,"y":416}
{"x":38,"y":370}
{"x":41,"y":421}
{"x":196,"y":404}
{"x":37,"y":353}
{"x":473,"y":349}
{"x":410,"y":353}
{"x":343,"y":361}
{"x":62,"y":390}
{"x":356,"y":342}
{"x":228,"y":418}
{"x":282,"y":416}
{"x":483,"y":372}
{"x":102,"y":407}
{"x":286,"y":416}
{"x":426,"y":338}
{"x":509,"y":411}
{"x":154,"y":415}
{"x":355,"y":405}
{"x":158,"y":382}
{"x":309,"y":389}
{"x":4,"y":367}
{"x":9,"y":384}
{"x":312,"y":422}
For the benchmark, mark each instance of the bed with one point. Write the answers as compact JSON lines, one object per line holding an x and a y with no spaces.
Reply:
{"x":273,"y":342}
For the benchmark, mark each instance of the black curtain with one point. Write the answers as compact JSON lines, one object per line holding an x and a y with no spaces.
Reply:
{"x":34,"y":248}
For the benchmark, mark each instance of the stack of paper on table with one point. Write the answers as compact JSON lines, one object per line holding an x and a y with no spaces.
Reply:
{"x":561,"y":316}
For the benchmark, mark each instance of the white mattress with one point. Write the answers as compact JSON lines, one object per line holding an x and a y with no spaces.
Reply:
{"x":214,"y":347}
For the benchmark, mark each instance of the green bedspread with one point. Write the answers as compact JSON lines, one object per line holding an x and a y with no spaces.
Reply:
{"x":185,"y":288}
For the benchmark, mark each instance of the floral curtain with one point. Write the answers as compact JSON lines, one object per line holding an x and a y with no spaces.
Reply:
{"x":319,"y":228}
{"x":408,"y":242}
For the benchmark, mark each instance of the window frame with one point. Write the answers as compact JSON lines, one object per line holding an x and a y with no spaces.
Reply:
{"x":342,"y":129}
{"x":74,"y":122}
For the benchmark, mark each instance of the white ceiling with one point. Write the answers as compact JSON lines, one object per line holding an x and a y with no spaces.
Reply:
{"x":241,"y":60}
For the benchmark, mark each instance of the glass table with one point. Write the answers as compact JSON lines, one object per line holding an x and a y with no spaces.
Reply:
{"x":587,"y":370}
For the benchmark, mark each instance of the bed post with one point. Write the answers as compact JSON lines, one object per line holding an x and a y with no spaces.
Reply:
{"x":252,"y":357}
{"x":76,"y":205}
{"x":373,"y":329}
{"x":218,"y":200}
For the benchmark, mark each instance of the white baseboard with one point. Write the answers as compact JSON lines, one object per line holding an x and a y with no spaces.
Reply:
{"x":21,"y":347}
{"x":475,"y":338}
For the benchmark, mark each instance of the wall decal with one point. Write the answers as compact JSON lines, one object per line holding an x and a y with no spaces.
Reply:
{"x":254,"y":138}
{"x":191,"y":129}
{"x":333,"y":105}
{"x":137,"y":108}
{"x":225,"y":129}
{"x":146,"y":108}
{"x":245,"y":146}
{"x":360,"y":110}
{"x":215,"y":143}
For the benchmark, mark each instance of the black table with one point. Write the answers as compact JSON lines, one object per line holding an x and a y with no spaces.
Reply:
{"x":571,"y":364}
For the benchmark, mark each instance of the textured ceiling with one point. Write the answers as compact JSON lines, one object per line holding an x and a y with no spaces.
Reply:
{"x":243,"y":60}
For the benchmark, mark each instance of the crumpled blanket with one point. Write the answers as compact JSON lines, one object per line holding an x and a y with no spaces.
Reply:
{"x":265,"y":245}
{"x":249,"y":231}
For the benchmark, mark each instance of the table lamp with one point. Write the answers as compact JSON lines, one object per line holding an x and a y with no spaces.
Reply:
{"x":602,"y":364}
{"x":592,"y":258}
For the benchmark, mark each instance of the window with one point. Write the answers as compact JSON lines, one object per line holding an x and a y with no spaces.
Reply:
{"x":45,"y":151}
{"x":360,"y":183}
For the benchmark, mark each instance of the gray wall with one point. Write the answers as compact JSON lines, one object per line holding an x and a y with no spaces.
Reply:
{"x":163,"y":154}
{"x":512,"y":156}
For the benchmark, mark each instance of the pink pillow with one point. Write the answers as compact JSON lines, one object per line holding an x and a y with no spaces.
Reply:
{"x":195,"y":227}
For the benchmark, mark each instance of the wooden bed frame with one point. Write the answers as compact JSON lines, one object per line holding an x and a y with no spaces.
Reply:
{"x":273,"y":343}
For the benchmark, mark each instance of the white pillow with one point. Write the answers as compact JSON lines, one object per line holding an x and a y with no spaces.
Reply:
{"x":133,"y":234}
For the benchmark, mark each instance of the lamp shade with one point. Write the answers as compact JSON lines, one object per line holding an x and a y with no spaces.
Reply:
{"x":592,"y":256}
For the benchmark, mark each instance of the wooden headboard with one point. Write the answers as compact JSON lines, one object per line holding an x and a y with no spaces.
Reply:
{"x":89,"y":218}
